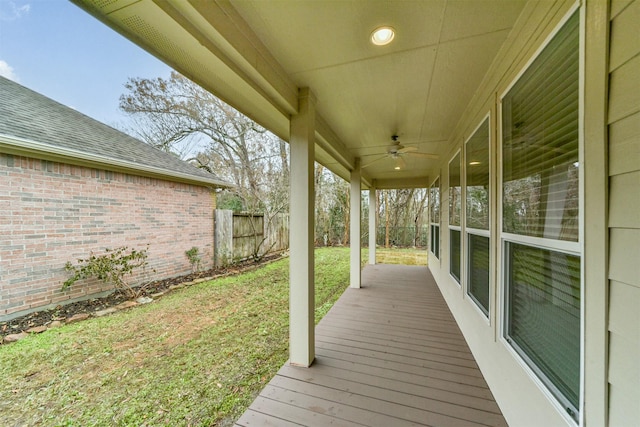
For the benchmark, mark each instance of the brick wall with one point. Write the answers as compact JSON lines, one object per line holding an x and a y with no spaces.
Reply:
{"x":53,"y":213}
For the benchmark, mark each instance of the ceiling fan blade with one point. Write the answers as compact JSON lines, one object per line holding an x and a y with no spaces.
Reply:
{"x":384,"y":156}
{"x":407,"y":150}
{"x":425,"y":155}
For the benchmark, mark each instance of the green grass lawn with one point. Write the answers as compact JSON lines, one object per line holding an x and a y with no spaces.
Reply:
{"x":197,"y":356}
{"x":401,"y":256}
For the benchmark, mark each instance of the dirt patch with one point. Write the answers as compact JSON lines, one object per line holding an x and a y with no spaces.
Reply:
{"x":61,"y":313}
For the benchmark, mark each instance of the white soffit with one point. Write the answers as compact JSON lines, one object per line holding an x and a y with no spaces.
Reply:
{"x":418,"y":86}
{"x":255,"y":54}
{"x":174,"y":40}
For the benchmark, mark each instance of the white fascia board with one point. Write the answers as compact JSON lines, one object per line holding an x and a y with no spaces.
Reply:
{"x":239,"y":47}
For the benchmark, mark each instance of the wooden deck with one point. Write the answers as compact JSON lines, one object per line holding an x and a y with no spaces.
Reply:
{"x":389,"y":354}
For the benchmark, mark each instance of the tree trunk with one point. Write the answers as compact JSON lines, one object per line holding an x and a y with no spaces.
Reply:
{"x":386,"y":219}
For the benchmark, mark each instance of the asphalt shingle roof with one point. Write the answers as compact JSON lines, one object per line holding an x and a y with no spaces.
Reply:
{"x":30,"y":116}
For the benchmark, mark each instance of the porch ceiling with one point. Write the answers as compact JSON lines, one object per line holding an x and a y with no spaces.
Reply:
{"x":255,"y":54}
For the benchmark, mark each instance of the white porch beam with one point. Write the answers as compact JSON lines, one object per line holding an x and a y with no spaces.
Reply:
{"x":301,"y":270}
{"x":195,"y":37}
{"x":400,"y":183}
{"x":354,"y":224}
{"x":218,"y":27}
{"x":373,"y":226}
{"x":330,"y":142}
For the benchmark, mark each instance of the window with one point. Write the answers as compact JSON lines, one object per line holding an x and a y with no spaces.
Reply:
{"x":544,"y":313}
{"x":540,"y":216}
{"x":455,"y":203}
{"x":478,"y":270}
{"x":434,"y":197}
{"x":477,"y":216}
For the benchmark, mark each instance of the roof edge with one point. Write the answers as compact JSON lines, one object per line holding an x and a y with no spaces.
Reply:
{"x":23,"y":146}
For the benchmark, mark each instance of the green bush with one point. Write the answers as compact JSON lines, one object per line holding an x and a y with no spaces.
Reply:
{"x":193,"y":255}
{"x":111,"y":268}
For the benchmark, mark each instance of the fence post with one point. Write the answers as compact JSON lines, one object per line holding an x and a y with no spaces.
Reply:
{"x":223,"y":237}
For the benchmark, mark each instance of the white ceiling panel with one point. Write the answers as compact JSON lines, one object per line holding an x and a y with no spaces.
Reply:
{"x":460,"y":67}
{"x":256,"y":53}
{"x":385,"y":93}
{"x":468,"y":18}
{"x":311,"y":35}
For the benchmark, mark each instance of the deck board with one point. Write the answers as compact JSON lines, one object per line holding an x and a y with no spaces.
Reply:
{"x":388,"y":354}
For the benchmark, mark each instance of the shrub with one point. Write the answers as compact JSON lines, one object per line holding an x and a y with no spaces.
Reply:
{"x":193,"y":255}
{"x":111,"y":267}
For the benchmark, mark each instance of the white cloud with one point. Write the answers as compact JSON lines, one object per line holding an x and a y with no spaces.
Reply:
{"x":6,"y":70}
{"x":10,"y":12}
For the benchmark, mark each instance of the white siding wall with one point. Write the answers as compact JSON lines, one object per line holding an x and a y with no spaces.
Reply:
{"x":624,"y":214}
{"x":521,"y":398}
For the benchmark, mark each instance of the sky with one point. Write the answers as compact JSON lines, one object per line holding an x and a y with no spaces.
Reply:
{"x":55,"y":48}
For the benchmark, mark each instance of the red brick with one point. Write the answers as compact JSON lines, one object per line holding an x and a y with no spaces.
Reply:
{"x":131,"y":211}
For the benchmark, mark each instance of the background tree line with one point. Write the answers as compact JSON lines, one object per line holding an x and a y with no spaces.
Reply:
{"x":179,"y":117}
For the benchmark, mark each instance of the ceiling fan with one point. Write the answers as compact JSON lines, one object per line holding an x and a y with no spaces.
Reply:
{"x":396,"y":152}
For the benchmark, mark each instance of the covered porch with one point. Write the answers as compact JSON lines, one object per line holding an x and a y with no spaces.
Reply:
{"x":387,"y":354}
{"x":408,"y":115}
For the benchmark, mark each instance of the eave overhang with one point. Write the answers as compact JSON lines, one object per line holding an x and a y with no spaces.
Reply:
{"x":197,"y":37}
{"x":27,"y":148}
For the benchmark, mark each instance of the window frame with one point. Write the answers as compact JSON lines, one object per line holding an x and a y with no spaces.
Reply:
{"x":458,"y":228}
{"x":479,"y":231}
{"x":435,"y":185}
{"x":575,"y":248}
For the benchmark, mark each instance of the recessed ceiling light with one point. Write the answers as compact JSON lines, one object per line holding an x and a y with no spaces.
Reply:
{"x":382,"y":36}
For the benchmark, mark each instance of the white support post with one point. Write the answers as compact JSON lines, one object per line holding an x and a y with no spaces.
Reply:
{"x":301,"y":280}
{"x":373,"y":224}
{"x":354,"y":220}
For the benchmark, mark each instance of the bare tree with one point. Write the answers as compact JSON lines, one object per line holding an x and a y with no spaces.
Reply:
{"x":175,"y":113}
{"x":180,"y":117}
{"x":403,"y":213}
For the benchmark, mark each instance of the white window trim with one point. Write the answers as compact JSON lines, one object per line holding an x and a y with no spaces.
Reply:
{"x":576,"y":248}
{"x":467,"y":286}
{"x":478,"y":231}
{"x":434,"y":224}
{"x":523,"y":360}
{"x":438,"y":224}
{"x":474,"y":302}
{"x":458,"y":228}
{"x":581,"y":204}
{"x":573,"y":248}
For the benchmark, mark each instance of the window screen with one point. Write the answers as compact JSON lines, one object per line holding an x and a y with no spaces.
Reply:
{"x":434,"y":197}
{"x":435,"y":202}
{"x":479,"y":270}
{"x":544,"y":315}
{"x":477,"y":216}
{"x":454,"y":248}
{"x":455,"y":208}
{"x":455,"y":191}
{"x":477,"y":182}
{"x":435,"y":240}
{"x":540,"y":211}
{"x":540,"y":143}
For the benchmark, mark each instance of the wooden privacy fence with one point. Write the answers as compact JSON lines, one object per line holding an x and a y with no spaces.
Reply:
{"x":240,"y":236}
